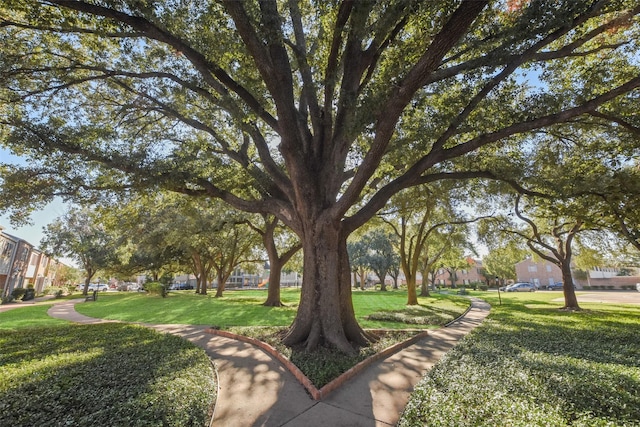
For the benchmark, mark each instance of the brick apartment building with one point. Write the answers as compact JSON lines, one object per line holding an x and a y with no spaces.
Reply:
{"x":464,"y":276}
{"x":22,"y":265}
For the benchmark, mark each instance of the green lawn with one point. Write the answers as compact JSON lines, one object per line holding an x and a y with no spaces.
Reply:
{"x":530,"y":364}
{"x":55,"y":373}
{"x":244,"y":308}
{"x":242,"y":312}
{"x":28,"y":317}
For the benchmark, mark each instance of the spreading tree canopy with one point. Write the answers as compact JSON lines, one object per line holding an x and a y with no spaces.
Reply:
{"x":80,"y":236}
{"x":315,"y":112}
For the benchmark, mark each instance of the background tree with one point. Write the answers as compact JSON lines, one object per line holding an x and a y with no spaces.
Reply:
{"x":453,"y":261}
{"x":550,"y":236}
{"x":142,"y":226}
{"x":501,"y":260}
{"x":316,"y":113}
{"x":66,"y":275}
{"x":78,"y":236}
{"x":380,"y":255}
{"x":235,"y":245}
{"x":586,"y":259}
{"x":394,"y":272}
{"x":215,"y":236}
{"x":280,"y":249}
{"x":357,"y":251}
{"x":619,"y":193}
{"x":427,"y":223}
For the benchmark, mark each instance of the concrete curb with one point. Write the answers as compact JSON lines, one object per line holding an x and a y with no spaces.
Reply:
{"x":318,"y":394}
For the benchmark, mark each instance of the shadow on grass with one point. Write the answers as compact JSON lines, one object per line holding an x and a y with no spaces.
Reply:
{"x":108,"y":374}
{"x":585,"y":362}
{"x":595,"y":335}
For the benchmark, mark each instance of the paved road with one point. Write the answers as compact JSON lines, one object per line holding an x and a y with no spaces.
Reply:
{"x":608,"y":297}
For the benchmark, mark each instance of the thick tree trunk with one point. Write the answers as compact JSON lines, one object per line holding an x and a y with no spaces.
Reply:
{"x":273,"y":290}
{"x":570,"y":299}
{"x":412,"y":293}
{"x":202,"y":284}
{"x":424,"y":287}
{"x":325,"y":315}
{"x":222,"y":281}
{"x":276,"y":262}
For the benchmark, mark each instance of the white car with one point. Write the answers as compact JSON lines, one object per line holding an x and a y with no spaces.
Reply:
{"x":102,"y":287}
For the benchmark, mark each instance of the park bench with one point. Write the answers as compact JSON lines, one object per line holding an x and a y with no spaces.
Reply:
{"x":92,"y":297}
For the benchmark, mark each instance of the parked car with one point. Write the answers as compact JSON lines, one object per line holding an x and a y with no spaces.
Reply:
{"x":638,"y":286}
{"x":521,"y":287}
{"x":555,"y":286}
{"x":102,"y":287}
{"x":180,"y":286}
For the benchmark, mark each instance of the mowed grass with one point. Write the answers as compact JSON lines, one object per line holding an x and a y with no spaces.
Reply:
{"x":55,"y":373}
{"x":28,"y":317}
{"x":244,"y":308}
{"x":242,"y":312}
{"x":530,"y":364}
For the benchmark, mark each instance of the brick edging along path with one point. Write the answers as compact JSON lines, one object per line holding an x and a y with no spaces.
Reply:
{"x":319,"y":394}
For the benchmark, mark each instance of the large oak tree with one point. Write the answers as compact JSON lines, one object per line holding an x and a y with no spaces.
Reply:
{"x":314,"y":112}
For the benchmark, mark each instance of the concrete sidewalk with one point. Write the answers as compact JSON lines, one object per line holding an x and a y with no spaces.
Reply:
{"x":257,"y":390}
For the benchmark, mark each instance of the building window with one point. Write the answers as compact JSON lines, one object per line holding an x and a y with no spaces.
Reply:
{"x":548,"y":268}
{"x":533,"y":268}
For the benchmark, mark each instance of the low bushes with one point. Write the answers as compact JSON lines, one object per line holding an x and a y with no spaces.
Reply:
{"x":156,"y":288}
{"x":99,"y":375}
{"x":528,"y":366}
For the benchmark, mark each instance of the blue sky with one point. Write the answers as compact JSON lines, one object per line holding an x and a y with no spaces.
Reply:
{"x":31,"y":233}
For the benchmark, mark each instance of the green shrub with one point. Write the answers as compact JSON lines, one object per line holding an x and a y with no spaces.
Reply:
{"x":536,"y":367}
{"x":102,"y":375}
{"x":156,"y":288}
{"x":484,"y":287}
{"x":6,"y":299}
{"x":18,"y":293}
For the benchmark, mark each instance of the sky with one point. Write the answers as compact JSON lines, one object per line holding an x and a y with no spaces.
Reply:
{"x":31,"y":233}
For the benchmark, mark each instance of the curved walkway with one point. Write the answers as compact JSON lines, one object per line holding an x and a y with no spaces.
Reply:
{"x":257,"y":390}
